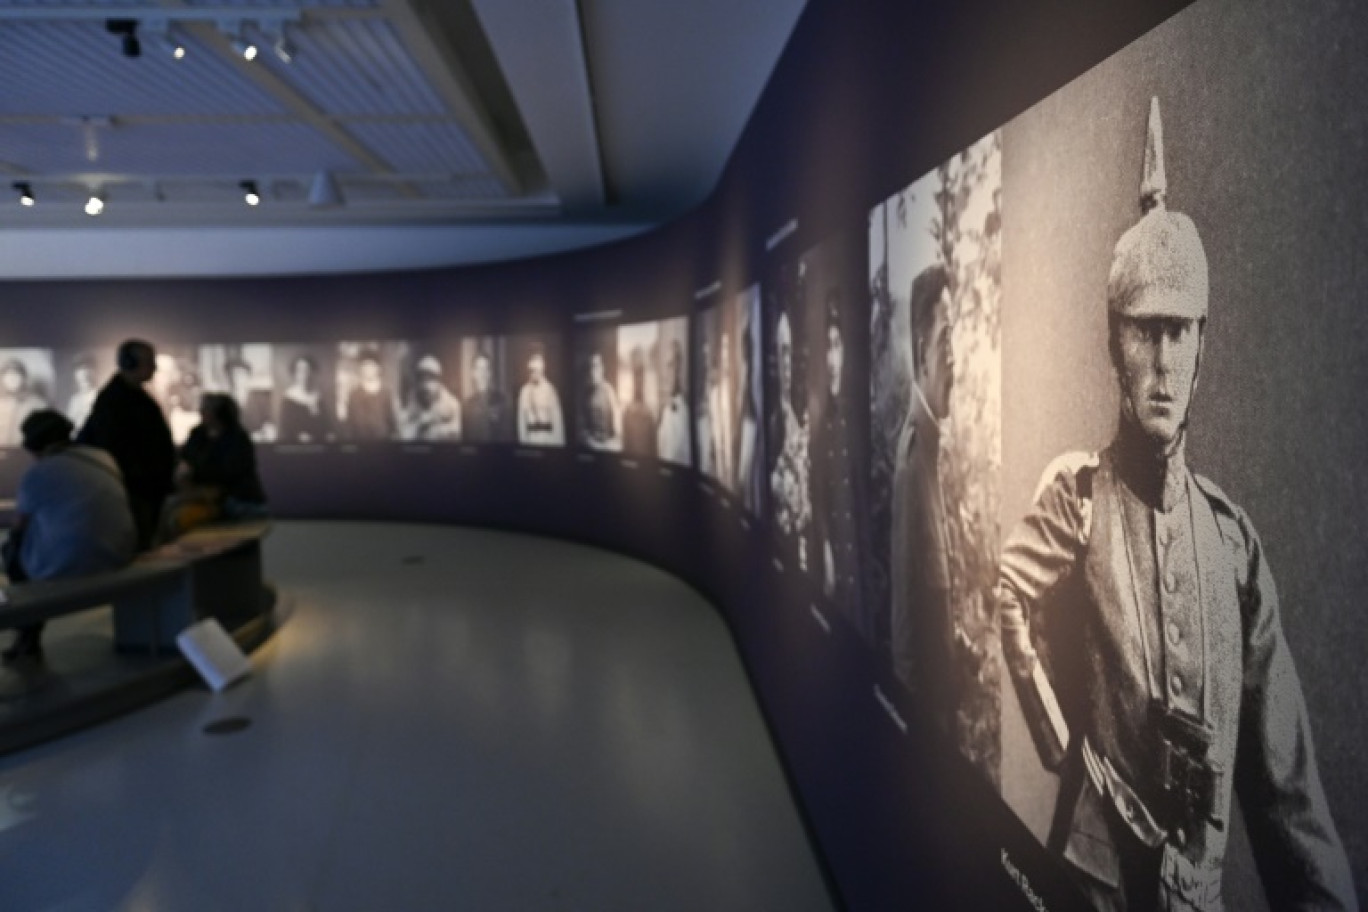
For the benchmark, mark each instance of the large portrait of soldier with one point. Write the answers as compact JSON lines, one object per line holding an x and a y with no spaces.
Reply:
{"x":935,"y":251}
{"x":1176,"y":726}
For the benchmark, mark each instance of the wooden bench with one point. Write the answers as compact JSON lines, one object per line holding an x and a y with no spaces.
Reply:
{"x":214,"y":571}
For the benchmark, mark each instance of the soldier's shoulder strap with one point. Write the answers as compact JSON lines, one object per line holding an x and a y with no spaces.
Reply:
{"x":1234,"y":526}
{"x":1229,"y":517}
{"x":1074,"y":469}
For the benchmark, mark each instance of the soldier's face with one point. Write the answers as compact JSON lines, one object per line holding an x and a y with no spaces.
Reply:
{"x":596,"y":369}
{"x":1157,"y":364}
{"x":481,"y":372}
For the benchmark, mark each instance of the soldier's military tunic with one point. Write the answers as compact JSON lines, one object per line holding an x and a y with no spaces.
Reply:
{"x":1141,"y":627}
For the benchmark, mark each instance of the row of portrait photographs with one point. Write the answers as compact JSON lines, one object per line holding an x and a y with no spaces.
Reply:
{"x":727,"y":397}
{"x":632,"y":391}
{"x":935,"y":290}
{"x":319,"y":393}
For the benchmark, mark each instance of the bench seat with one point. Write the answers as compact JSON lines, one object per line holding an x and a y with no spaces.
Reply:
{"x":214,"y":571}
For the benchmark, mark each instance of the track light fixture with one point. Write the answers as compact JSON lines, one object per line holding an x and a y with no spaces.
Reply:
{"x":284,"y":48}
{"x":250,"y":195}
{"x":25,"y":191}
{"x":158,"y":32}
{"x":127,"y":30}
{"x":95,"y":205}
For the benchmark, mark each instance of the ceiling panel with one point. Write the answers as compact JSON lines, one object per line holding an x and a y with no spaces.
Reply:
{"x":466,"y":188}
{"x":183,"y":149}
{"x":298,"y":4}
{"x":355,"y":66}
{"x":75,"y":68}
{"x":421,"y":147}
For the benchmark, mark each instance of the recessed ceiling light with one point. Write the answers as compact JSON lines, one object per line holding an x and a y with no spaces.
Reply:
{"x":250,"y":196}
{"x":25,"y":192}
{"x":95,"y":205}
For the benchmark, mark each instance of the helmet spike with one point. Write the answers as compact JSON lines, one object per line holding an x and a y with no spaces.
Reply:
{"x":1153,"y":183}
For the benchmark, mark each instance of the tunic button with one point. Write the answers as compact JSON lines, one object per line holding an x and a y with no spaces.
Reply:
{"x":1170,"y":583}
{"x":1175,"y":633}
{"x":1180,"y":837}
{"x":1176,"y":685}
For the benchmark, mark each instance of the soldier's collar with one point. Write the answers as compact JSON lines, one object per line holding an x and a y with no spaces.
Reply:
{"x":1159,"y":479}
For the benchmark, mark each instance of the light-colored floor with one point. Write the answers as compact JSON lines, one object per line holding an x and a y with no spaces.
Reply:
{"x":447,"y":719}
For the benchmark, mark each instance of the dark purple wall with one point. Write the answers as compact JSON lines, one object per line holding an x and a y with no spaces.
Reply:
{"x":870,"y":95}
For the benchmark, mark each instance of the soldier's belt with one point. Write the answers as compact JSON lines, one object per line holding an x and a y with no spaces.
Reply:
{"x":1187,"y":802}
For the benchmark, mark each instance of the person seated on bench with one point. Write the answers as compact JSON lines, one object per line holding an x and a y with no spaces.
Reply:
{"x":73,"y":516}
{"x":217,"y":475}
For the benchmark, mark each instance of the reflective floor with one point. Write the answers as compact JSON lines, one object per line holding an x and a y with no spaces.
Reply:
{"x":447,"y":719}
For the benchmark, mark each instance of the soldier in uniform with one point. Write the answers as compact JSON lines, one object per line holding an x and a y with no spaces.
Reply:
{"x":1141,"y":629}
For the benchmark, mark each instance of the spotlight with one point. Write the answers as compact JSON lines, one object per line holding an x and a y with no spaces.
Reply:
{"x":249,"y":193}
{"x":247,"y":49}
{"x":25,"y":192}
{"x":158,"y":32}
{"x":127,"y":30}
{"x":95,"y":205}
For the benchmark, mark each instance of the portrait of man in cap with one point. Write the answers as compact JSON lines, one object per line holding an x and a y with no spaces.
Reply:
{"x":1142,"y":630}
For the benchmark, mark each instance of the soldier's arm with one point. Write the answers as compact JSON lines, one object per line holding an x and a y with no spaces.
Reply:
{"x":1299,"y":853}
{"x":1040,"y":553}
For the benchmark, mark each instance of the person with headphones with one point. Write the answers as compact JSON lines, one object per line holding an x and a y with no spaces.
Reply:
{"x":127,"y":422}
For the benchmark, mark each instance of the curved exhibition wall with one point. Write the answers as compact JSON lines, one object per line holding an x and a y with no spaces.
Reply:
{"x":742,"y":398}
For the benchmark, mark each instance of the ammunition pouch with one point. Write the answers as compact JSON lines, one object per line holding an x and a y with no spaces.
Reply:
{"x":1188,"y":779}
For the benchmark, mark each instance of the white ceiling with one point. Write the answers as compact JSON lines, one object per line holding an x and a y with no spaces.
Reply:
{"x":458,"y":131}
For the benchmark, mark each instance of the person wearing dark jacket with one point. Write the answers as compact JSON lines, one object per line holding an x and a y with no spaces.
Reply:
{"x":217,"y":475}
{"x":127,"y":423}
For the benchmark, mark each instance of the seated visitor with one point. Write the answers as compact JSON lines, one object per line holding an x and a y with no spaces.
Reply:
{"x":217,"y":475}
{"x":73,"y":516}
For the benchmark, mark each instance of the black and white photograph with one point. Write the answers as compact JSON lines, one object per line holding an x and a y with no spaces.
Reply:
{"x":78,"y":374}
{"x":176,"y":387}
{"x":430,"y":406}
{"x":670,"y":362}
{"x":487,"y":406}
{"x":935,"y":251}
{"x":741,"y":316}
{"x":653,"y":385}
{"x":26,"y":385}
{"x":306,"y":376}
{"x":536,"y":360}
{"x":247,"y":373}
{"x":832,"y":280}
{"x":598,"y":411}
{"x":711,"y":408}
{"x":1182,"y":396}
{"x":787,"y":420}
{"x":368,"y":382}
